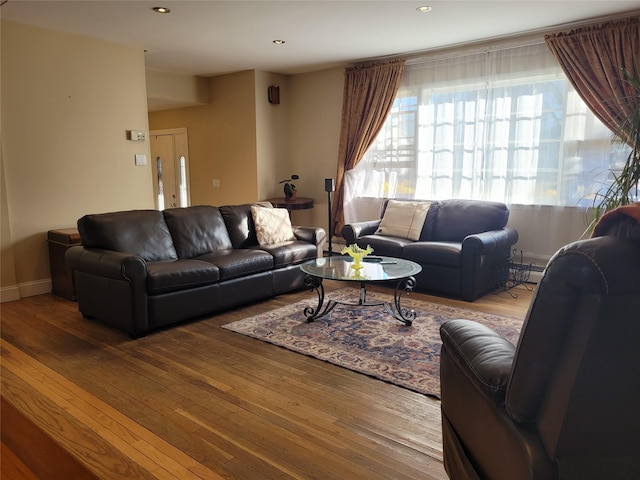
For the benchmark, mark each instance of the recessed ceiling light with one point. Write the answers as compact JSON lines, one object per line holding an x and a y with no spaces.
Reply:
{"x":424,"y":9}
{"x":161,"y":9}
{"x":279,"y":42}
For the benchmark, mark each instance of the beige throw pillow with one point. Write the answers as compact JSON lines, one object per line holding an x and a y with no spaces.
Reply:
{"x":272,"y":225}
{"x":403,"y":219}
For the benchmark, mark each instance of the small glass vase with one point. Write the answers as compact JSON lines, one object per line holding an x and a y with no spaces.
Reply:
{"x":357,"y":260}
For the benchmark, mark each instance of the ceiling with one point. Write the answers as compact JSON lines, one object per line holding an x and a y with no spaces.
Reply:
{"x":210,"y":37}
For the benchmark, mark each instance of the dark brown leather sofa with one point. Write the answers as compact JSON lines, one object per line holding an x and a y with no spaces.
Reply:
{"x":564,"y":403}
{"x":463,"y":246}
{"x":144,"y":269}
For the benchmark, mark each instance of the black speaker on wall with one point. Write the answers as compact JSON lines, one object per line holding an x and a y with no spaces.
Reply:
{"x":273,"y":94}
{"x":329,"y":186}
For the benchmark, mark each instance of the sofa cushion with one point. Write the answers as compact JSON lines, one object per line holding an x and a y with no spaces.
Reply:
{"x":458,"y":218}
{"x":430,"y":222}
{"x":273,"y":225}
{"x":139,"y":232}
{"x":197,"y":230}
{"x":239,"y":262}
{"x":383,"y":245}
{"x":291,"y":253}
{"x":240,"y":226}
{"x":445,"y":254}
{"x":172,"y":276}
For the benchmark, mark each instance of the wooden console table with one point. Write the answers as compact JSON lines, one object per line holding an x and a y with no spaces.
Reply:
{"x":62,"y":283}
{"x":298,"y":203}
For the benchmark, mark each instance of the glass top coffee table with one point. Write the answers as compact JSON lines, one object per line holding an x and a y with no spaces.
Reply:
{"x":374,"y":269}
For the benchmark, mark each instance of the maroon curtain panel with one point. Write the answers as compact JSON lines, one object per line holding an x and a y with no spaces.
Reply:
{"x":369,"y":92}
{"x":595,"y":60}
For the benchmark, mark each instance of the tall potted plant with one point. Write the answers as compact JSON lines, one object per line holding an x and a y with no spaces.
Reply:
{"x":624,"y":188}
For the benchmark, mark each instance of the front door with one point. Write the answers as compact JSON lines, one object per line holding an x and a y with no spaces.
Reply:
{"x":170,"y":167}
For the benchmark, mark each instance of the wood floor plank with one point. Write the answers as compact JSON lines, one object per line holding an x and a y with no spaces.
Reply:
{"x":11,"y":467}
{"x":199,"y":401}
{"x":121,"y":432}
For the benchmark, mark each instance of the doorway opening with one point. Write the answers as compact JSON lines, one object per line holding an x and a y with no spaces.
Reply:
{"x":170,"y":168}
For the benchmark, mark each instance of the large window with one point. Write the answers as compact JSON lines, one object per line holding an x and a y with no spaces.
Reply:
{"x":501,"y":125}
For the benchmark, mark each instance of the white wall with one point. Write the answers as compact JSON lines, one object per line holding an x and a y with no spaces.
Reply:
{"x":543,"y":229}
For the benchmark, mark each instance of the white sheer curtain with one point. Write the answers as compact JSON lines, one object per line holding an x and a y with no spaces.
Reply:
{"x":498,"y":124}
{"x":365,"y":191}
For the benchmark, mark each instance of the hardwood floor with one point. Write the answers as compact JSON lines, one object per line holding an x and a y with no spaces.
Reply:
{"x":196,"y":401}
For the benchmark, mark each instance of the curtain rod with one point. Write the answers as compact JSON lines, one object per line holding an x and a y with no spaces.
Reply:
{"x":523,"y":39}
{"x":489,"y":47}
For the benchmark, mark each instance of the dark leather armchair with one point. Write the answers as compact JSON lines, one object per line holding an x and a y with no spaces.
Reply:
{"x":564,"y":403}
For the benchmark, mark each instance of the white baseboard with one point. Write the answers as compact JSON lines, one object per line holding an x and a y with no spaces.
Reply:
{"x":26,"y":289}
{"x":535,"y":277}
{"x":9,"y":294}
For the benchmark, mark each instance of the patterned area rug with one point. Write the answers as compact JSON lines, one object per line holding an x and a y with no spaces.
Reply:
{"x":368,"y":340}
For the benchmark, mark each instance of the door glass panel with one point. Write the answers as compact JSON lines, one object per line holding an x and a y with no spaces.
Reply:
{"x":160,"y":184}
{"x":183,"y":181}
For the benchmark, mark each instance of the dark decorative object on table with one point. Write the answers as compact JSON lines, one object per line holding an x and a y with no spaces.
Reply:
{"x":289,"y":188}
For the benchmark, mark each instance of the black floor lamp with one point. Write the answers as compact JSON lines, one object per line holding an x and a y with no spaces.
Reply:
{"x":329,"y":186}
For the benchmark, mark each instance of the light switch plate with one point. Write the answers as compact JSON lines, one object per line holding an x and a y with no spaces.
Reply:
{"x":141,"y":159}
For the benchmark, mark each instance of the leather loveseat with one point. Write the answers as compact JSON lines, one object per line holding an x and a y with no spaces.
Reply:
{"x":463,"y":245}
{"x":144,"y":269}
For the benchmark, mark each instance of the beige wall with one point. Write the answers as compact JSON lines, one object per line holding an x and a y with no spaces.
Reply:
{"x":250,"y":144}
{"x":272,"y":135}
{"x":67,"y":102}
{"x":8,"y":280}
{"x":314,"y":136}
{"x":222,"y":140}
{"x":169,"y":90}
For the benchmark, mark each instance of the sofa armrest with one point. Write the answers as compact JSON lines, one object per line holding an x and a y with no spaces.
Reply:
{"x":491,"y":241}
{"x":314,"y":235}
{"x":112,"y":287}
{"x":352,"y":231}
{"x":484,"y":356}
{"x":107,"y":263}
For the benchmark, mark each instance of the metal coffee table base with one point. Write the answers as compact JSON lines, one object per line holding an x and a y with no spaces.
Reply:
{"x":394,"y":309}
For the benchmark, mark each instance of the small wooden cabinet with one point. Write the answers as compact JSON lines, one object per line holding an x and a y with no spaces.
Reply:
{"x":296,"y":203}
{"x":60,"y":241}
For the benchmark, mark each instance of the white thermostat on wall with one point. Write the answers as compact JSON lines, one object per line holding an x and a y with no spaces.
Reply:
{"x":141,"y":159}
{"x":136,"y":135}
